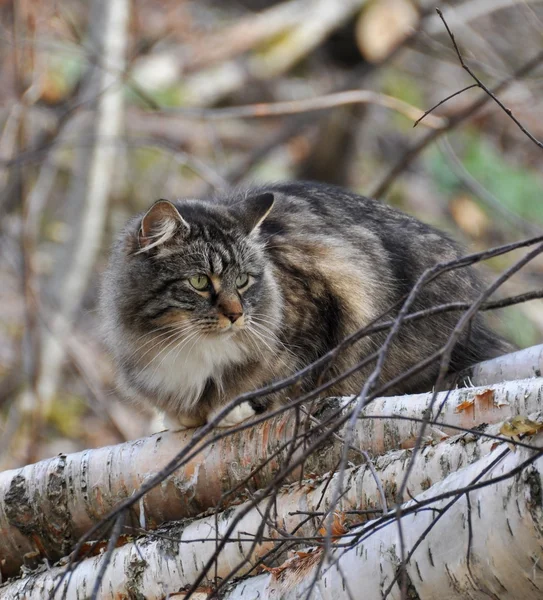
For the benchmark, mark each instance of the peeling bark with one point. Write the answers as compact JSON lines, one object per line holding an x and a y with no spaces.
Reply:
{"x":46,"y":507}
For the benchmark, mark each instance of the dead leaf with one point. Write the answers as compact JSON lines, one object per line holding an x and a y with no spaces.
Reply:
{"x":338,"y":527}
{"x":469,"y":216}
{"x":382,"y":26}
{"x":520,"y":426}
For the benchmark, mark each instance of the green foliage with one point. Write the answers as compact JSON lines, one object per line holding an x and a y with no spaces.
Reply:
{"x":65,"y":414}
{"x":399,"y":85}
{"x":167,"y":97}
{"x":518,"y":328}
{"x":517,"y":188}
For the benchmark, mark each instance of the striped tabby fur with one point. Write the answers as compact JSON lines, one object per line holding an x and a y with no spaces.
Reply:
{"x":321,"y":262}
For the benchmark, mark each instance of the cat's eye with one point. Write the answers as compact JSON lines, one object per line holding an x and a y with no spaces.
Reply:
{"x":199,"y":282}
{"x":242,"y":280}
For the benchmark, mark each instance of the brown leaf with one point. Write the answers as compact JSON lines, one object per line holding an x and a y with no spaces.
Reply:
{"x":382,"y":26}
{"x":469,"y":216}
{"x":338,"y":527}
{"x":519,"y":425}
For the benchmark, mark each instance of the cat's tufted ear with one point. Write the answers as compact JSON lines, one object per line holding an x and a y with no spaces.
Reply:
{"x":252,"y":211}
{"x":159,"y":224}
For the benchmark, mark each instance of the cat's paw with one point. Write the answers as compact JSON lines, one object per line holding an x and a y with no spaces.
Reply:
{"x":236,"y":416}
{"x":177,"y":423}
{"x":185,"y":422}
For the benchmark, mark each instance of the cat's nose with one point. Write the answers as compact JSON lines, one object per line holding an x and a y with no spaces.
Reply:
{"x":233,"y":316}
{"x":231,"y":308}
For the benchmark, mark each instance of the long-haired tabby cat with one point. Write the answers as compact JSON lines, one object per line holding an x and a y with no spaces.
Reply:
{"x":206,"y":299}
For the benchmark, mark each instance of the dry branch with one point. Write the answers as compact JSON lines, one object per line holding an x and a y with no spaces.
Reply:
{"x":47,"y":506}
{"x":319,"y":22}
{"x":321,"y":19}
{"x":292,"y":107}
{"x":245,"y":34}
{"x":409,"y":156}
{"x":172,"y":558}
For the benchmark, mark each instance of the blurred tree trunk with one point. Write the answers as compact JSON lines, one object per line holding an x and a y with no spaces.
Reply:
{"x":91,"y":183}
{"x":332,"y":151}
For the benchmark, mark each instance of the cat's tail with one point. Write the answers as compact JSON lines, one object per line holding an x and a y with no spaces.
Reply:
{"x":478,"y":344}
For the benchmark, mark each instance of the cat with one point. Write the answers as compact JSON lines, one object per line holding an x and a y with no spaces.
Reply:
{"x":206,"y":299}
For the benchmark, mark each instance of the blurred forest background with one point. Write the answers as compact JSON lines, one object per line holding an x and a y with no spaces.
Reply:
{"x":108,"y":105}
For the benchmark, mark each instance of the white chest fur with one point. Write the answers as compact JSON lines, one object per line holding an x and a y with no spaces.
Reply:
{"x":179,"y":374}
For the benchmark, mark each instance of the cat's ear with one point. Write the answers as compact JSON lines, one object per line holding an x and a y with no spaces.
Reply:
{"x":159,"y":224}
{"x":252,"y":211}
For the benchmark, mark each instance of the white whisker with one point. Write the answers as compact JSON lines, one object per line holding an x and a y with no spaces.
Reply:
{"x":161,"y":338}
{"x":177,"y":347}
{"x":175,"y":336}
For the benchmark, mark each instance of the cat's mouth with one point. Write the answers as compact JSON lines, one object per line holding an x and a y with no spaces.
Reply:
{"x":229,"y":329}
{"x":225,"y":330}
{"x":225,"y":324}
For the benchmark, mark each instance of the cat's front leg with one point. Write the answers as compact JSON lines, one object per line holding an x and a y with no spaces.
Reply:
{"x":236,"y":416}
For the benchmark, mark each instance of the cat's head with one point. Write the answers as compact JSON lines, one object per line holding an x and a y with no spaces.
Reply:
{"x":194,"y":266}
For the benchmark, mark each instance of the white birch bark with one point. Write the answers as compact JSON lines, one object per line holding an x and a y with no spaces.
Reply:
{"x":46,"y":507}
{"x":164,"y":566}
{"x":523,"y":364}
{"x":500,"y":529}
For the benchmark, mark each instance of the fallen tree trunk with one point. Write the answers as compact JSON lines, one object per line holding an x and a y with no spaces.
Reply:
{"x":155,"y":567}
{"x":523,"y":364}
{"x":46,"y":507}
{"x":489,"y":546}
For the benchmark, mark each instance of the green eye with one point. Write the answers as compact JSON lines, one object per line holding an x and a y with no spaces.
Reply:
{"x":199,"y":282}
{"x":242,"y":280}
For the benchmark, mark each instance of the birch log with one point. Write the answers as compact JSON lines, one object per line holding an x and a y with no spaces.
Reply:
{"x":47,"y":506}
{"x":517,"y":365}
{"x":154,"y":568}
{"x":490,"y":547}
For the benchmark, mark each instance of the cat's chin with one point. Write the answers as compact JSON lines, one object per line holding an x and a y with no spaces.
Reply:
{"x":222,"y":334}
{"x":226,"y":331}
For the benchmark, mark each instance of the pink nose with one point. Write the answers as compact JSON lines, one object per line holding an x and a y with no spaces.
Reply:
{"x":231,"y":308}
{"x":233,"y":316}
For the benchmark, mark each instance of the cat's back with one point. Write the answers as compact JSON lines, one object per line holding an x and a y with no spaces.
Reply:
{"x":311,"y":215}
{"x":307,"y":207}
